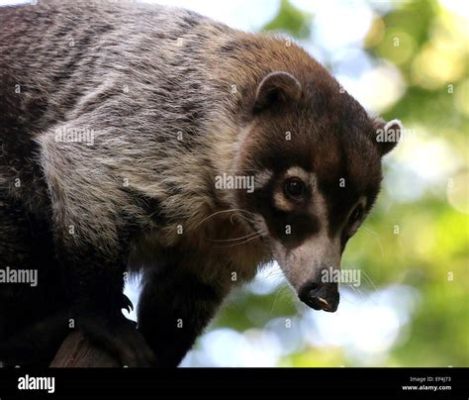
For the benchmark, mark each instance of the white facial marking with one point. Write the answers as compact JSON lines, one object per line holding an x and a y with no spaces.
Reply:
{"x":304,"y":263}
{"x":306,"y":177}
{"x":282,"y":203}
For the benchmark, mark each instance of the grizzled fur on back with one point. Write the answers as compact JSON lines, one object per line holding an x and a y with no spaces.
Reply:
{"x":143,"y":80}
{"x":165,"y":101}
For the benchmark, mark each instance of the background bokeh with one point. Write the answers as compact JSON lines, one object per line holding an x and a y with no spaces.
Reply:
{"x":401,"y":59}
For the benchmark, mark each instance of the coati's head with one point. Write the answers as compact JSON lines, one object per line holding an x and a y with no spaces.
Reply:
{"x":315,"y":155}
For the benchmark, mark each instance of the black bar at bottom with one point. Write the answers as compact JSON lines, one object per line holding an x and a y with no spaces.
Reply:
{"x":233,"y":383}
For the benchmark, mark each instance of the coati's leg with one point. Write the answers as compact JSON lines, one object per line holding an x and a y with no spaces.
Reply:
{"x":174,"y":308}
{"x":92,"y":231}
{"x":27,"y":334}
{"x":95,"y":282}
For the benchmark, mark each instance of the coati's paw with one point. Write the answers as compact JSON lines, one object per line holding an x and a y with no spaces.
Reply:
{"x":121,"y":338}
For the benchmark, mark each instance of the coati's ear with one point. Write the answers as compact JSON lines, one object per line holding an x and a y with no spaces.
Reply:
{"x":386,"y":134}
{"x":276,"y":88}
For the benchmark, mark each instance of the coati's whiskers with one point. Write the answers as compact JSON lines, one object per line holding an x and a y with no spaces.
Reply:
{"x":378,"y":239}
{"x":351,"y":300}
{"x":231,"y":210}
{"x":361,"y":294}
{"x":238,"y":241}
{"x":235,"y":239}
{"x":281,"y":294}
{"x":369,"y":280}
{"x":355,"y":289}
{"x":274,"y":273}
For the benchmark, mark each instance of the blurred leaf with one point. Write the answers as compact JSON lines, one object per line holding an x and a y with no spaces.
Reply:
{"x":290,"y":20}
{"x":429,"y":251}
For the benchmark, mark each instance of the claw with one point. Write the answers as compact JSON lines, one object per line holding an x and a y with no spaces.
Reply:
{"x":126,"y":304}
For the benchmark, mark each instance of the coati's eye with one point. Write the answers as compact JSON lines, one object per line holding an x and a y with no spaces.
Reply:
{"x":356,"y":216}
{"x":294,"y":188}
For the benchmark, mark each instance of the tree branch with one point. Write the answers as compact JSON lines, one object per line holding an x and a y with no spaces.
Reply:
{"x":77,"y":352}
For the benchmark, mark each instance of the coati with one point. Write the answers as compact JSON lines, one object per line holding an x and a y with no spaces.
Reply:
{"x":116,"y":120}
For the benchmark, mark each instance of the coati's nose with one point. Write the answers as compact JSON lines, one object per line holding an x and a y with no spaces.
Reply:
{"x":320,"y":296}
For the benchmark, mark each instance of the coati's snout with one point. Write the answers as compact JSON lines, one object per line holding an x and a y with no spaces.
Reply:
{"x":315,"y":155}
{"x":310,"y":270}
{"x":309,"y":256}
{"x":320,"y":296}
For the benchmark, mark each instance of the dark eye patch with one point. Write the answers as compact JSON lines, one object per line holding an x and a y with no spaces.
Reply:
{"x":291,"y":227}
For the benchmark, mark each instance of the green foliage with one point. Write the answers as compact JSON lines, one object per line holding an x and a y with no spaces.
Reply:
{"x":421,"y":243}
{"x":290,"y":20}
